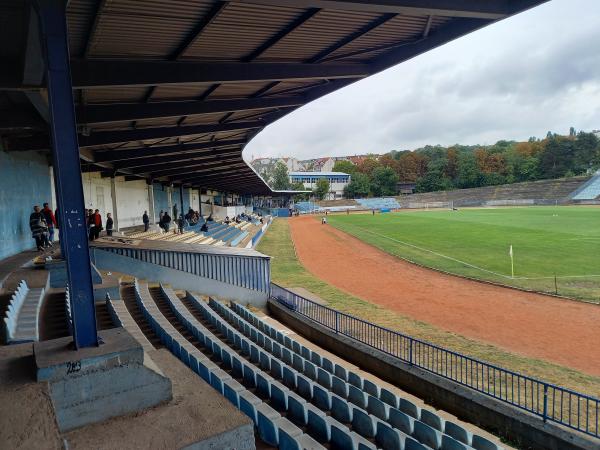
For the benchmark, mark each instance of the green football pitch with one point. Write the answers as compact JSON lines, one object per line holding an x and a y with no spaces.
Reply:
{"x":555,"y":249}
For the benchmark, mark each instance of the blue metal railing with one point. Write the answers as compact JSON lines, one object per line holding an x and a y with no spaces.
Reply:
{"x":548,"y":401}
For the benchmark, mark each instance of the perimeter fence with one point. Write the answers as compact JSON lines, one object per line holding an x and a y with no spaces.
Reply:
{"x":546,"y":400}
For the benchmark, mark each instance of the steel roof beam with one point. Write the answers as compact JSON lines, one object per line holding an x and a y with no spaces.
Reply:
{"x":116,"y":112}
{"x":226,"y":164}
{"x":162,"y":151}
{"x":147,"y":163}
{"x":207,"y":161}
{"x":141,"y":134}
{"x":437,"y":37}
{"x":214,"y":172}
{"x":489,"y":9}
{"x":103,"y":73}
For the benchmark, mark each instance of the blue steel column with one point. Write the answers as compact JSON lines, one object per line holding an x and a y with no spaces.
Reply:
{"x":73,"y":228}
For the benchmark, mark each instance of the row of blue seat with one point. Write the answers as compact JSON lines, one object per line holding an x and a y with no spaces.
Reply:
{"x":22,"y":316}
{"x":68,"y":313}
{"x":273,"y":429}
{"x":12,"y":312}
{"x":362,"y":410}
{"x":378,"y":202}
{"x":380,"y":402}
{"x":235,"y":241}
{"x":325,"y":428}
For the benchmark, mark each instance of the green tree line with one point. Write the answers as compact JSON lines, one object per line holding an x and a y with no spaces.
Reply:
{"x":437,"y":168}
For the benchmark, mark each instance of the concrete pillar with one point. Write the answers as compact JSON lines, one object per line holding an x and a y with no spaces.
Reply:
{"x":169,"y":199}
{"x":113,"y":195}
{"x":151,"y":212}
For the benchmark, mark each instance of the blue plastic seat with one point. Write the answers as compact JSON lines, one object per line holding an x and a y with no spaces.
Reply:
{"x":363,"y":423}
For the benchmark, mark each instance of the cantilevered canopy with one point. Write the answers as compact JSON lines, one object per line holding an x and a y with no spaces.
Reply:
{"x":173,"y":90}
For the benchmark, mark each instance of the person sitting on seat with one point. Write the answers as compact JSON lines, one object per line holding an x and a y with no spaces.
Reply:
{"x":204,"y":227}
{"x":210,"y":218}
{"x":226,"y":220}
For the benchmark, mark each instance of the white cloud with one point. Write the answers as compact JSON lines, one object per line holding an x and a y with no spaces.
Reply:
{"x":521,"y":77}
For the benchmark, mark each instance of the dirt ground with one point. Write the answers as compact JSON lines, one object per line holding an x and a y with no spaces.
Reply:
{"x":562,"y":331}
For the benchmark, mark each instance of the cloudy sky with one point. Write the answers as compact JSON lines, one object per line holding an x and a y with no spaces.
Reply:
{"x":523,"y":76}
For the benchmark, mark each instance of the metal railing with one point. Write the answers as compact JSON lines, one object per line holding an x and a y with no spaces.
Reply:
{"x":548,"y":401}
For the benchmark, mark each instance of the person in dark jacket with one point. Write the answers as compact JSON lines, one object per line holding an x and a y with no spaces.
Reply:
{"x":204,"y":227}
{"x":145,"y":219}
{"x":166,"y":222}
{"x":109,"y":224}
{"x":38,"y":227}
{"x":180,"y":223}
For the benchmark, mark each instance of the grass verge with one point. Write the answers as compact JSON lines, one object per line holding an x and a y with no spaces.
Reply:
{"x":287,"y":271}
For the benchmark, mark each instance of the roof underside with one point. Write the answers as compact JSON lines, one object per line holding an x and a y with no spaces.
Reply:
{"x":172,"y":90}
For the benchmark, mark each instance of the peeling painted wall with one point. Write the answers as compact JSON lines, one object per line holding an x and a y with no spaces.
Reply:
{"x":24,"y":182}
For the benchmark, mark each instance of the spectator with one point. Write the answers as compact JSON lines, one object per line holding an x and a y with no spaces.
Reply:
{"x":145,"y":220}
{"x":38,"y":227}
{"x":180,"y":223}
{"x":50,"y":222}
{"x":161,"y":223}
{"x":210,"y":218}
{"x":175,"y":211}
{"x":97,"y":224}
{"x":204,"y":227}
{"x":226,"y":220}
{"x":109,"y":224}
{"x":166,"y":222}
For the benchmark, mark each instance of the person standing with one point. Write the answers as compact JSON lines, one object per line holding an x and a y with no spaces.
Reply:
{"x":38,"y":227}
{"x":145,"y":219}
{"x":166,"y":222}
{"x":50,"y":222}
{"x":180,"y":223}
{"x":175,"y":211}
{"x":161,"y":223}
{"x":109,"y":224}
{"x":95,"y":225}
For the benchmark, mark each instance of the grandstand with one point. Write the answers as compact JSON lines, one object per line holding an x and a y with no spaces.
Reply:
{"x":101,"y":111}
{"x":589,"y":190}
{"x":543,"y":192}
{"x":381,"y":203}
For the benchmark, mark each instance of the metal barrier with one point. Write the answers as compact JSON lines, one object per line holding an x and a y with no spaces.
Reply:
{"x":550,"y":402}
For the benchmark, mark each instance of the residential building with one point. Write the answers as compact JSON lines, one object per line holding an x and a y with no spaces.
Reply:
{"x":337,"y":182}
{"x":324,"y":164}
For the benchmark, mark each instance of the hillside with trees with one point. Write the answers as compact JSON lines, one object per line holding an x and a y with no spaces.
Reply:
{"x":437,"y":168}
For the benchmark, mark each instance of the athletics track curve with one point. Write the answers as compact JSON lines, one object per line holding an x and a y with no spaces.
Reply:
{"x":539,"y":326}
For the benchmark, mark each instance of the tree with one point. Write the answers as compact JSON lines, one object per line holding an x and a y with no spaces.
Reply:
{"x":281,"y":179}
{"x":368,"y":165}
{"x":299,"y":187}
{"x":383,"y":181}
{"x":359,"y":186}
{"x":344,"y":166}
{"x":321,"y":188}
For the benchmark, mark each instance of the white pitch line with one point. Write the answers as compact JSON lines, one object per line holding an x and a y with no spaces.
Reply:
{"x":469,"y":264}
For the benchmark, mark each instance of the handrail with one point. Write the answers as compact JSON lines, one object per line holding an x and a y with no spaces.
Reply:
{"x":550,"y":402}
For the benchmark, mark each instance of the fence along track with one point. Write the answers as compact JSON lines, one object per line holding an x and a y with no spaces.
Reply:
{"x":545,"y":400}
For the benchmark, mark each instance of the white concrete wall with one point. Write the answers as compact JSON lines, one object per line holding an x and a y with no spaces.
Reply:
{"x":132,"y":201}
{"x":195,"y":200}
{"x":96,"y":193}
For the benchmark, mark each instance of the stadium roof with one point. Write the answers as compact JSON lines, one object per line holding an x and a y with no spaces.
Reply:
{"x":173,"y":90}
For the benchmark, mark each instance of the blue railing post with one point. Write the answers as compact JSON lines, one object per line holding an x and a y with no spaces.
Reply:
{"x":410,"y":351}
{"x":337,"y":322}
{"x":69,"y":187}
{"x":545,"y":413}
